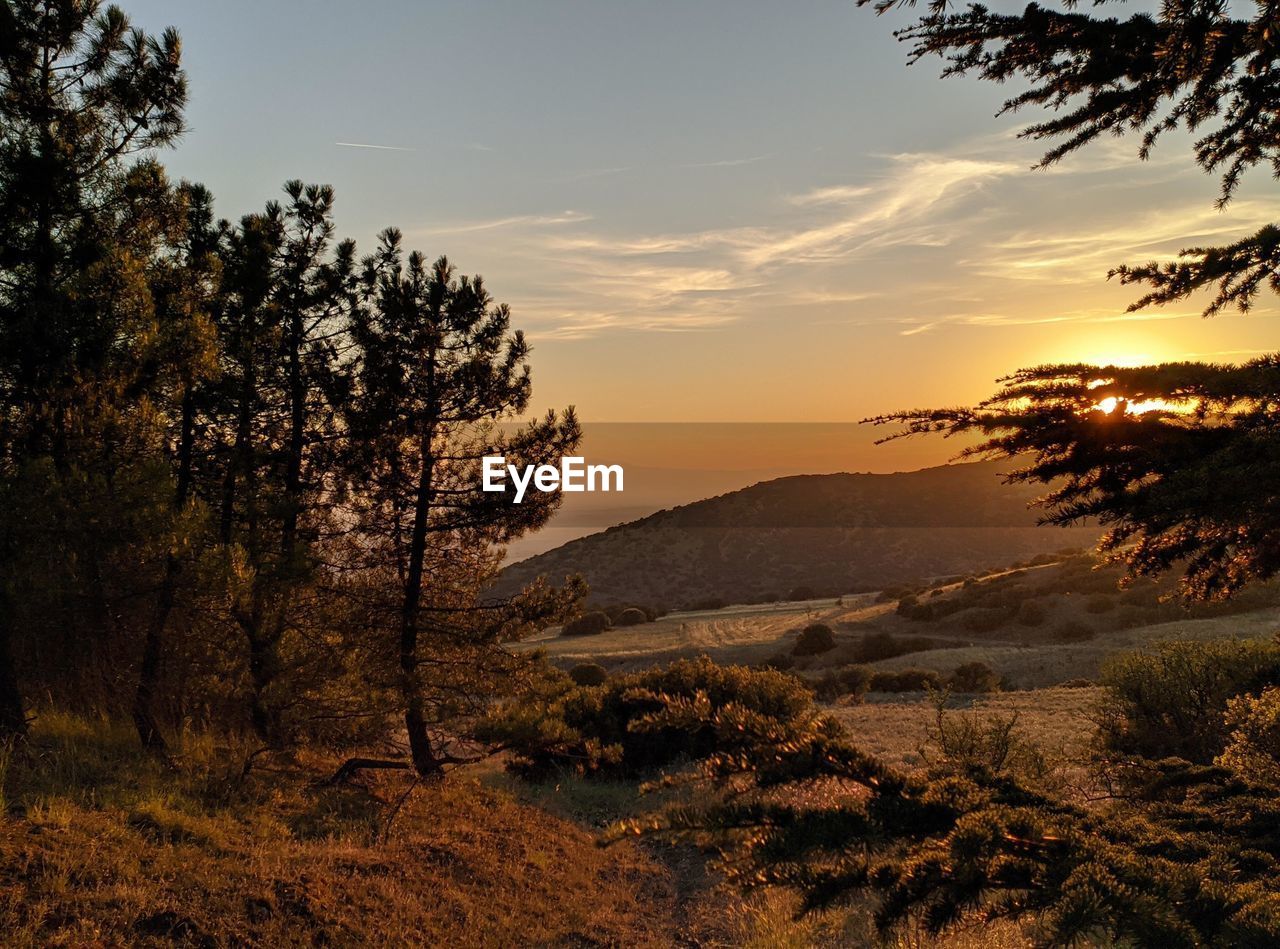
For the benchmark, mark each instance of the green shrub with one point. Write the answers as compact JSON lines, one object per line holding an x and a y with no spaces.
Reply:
{"x":631,"y":616}
{"x":588,"y":624}
{"x":1170,"y":702}
{"x":906,"y":680}
{"x":814,"y":639}
{"x":974,"y":677}
{"x":601,"y":730}
{"x":1253,"y":743}
{"x":588,"y":673}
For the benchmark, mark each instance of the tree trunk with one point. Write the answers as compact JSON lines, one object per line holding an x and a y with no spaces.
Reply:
{"x":13,"y":713}
{"x":144,"y":717}
{"x":425,"y":761}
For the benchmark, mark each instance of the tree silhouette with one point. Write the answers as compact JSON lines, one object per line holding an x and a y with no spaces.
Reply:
{"x":1179,"y":467}
{"x":83,"y":99}
{"x":438,"y":369}
{"x":284,"y":291}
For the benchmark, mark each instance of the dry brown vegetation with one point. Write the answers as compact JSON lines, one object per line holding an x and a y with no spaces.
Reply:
{"x":102,"y":847}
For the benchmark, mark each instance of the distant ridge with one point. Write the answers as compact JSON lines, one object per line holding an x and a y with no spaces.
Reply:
{"x":836,"y":533}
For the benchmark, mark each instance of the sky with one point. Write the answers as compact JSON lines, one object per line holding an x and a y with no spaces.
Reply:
{"x":708,"y":210}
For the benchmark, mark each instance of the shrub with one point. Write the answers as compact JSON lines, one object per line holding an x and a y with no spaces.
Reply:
{"x":985,"y":620}
{"x":906,"y":680}
{"x":602,"y":731}
{"x":781,"y":661}
{"x":922,"y":613}
{"x":631,"y":616}
{"x":588,"y":673}
{"x":975,"y":677}
{"x":1253,"y":745}
{"x":1073,"y":631}
{"x":852,"y":681}
{"x":907,"y":603}
{"x":814,"y":639}
{"x":588,"y":624}
{"x":1100,"y":603}
{"x":994,"y":743}
{"x":803,"y":592}
{"x":891,"y":593}
{"x":1170,"y":702}
{"x":706,"y":603}
{"x":1032,"y":613}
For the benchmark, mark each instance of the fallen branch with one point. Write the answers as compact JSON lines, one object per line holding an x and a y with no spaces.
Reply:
{"x":352,"y":765}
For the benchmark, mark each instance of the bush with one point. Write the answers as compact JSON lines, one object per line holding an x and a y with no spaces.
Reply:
{"x":631,"y":616}
{"x":985,"y":620}
{"x":993,"y":743}
{"x":1253,"y":745}
{"x":975,"y":677}
{"x":803,"y":592}
{"x":854,"y":681}
{"x":1100,"y":603}
{"x":588,"y":624}
{"x":1032,"y":613}
{"x":906,"y":680}
{"x":781,"y":661}
{"x":907,"y":603}
{"x":1169,"y":703}
{"x":814,"y":639}
{"x":1073,"y":631}
{"x":600,"y":731}
{"x":588,"y":673}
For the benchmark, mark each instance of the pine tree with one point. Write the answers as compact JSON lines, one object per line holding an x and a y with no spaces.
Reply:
{"x":284,"y":290}
{"x":83,"y":97}
{"x":1179,"y":465}
{"x":438,"y":370}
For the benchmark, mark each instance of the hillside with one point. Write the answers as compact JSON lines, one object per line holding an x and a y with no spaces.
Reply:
{"x":837,"y":533}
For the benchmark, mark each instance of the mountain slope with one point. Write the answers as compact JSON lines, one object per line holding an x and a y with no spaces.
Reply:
{"x":838,"y":533}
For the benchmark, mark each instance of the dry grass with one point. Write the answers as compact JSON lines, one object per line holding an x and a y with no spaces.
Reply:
{"x":1041,"y":666}
{"x":101,"y":847}
{"x":895,"y":728}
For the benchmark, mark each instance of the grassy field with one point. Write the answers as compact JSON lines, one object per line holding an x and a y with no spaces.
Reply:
{"x":1028,"y":654}
{"x":104,"y":847}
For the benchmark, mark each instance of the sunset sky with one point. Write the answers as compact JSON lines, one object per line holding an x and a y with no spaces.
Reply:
{"x":724,"y":210}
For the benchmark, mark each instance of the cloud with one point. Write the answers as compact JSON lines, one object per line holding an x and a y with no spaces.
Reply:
{"x":729,"y":162}
{"x":381,"y":148}
{"x":943,"y":235}
{"x":1059,"y":254}
{"x":514,"y":221}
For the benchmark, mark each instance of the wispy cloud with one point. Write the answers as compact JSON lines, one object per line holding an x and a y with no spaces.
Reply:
{"x":729,"y":162}
{"x":514,"y":221}
{"x":1059,"y":253}
{"x":935,"y":239}
{"x":380,"y":148}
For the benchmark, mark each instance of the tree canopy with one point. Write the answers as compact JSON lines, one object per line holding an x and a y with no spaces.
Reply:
{"x":1169,"y":457}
